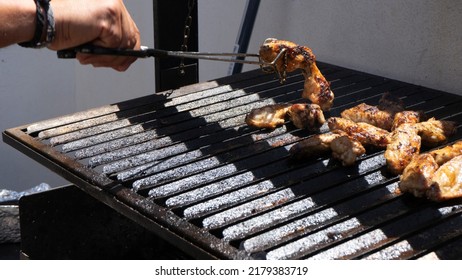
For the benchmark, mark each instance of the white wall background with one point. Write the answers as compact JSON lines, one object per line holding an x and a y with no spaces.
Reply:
{"x":417,"y":41}
{"x":414,"y":41}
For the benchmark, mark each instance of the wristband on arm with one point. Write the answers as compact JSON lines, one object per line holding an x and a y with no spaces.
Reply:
{"x":44,"y":28}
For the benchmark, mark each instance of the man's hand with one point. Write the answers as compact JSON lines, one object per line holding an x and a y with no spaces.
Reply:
{"x":104,"y":23}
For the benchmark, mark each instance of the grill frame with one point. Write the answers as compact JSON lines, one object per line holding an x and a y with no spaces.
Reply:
{"x":187,"y":234}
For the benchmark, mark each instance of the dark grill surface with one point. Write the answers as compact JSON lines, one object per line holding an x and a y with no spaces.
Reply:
{"x":184,"y":164}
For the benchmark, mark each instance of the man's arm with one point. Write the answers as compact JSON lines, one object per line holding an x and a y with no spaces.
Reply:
{"x":17,"y":21}
{"x":105,"y":23}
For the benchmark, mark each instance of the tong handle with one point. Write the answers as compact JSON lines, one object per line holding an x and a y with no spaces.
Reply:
{"x":92,"y":49}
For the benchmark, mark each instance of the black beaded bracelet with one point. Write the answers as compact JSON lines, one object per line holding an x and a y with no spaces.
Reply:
{"x":45,"y":22}
{"x":50,"y":22}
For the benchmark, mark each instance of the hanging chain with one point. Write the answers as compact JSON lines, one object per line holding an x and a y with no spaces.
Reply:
{"x":186,"y":34}
{"x":284,"y":67}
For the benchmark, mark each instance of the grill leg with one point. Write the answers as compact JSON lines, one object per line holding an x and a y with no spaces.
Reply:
{"x":66,"y":223}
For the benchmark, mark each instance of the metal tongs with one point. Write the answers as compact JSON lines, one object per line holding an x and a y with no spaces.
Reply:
{"x":145,"y":52}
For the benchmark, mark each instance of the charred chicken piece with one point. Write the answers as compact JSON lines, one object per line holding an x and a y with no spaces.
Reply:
{"x":405,"y":142}
{"x":317,"y":89}
{"x":417,"y":176}
{"x":343,"y":148}
{"x":365,"y":133}
{"x":447,"y":181}
{"x":288,"y":57}
{"x":380,"y":116}
{"x":369,"y":114}
{"x":270,"y":116}
{"x":407,"y":138}
{"x":306,"y":116}
{"x":346,"y":150}
{"x":409,"y":117}
{"x":390,"y":103}
{"x":446,"y":153}
{"x":293,"y":56}
{"x":314,"y":146}
{"x":435,"y":132}
{"x":435,"y":175}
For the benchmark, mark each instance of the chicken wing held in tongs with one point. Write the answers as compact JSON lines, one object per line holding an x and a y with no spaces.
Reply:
{"x":287,"y":57}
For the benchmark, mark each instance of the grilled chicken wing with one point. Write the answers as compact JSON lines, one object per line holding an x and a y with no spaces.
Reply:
{"x":269,"y":116}
{"x":435,"y":132}
{"x":446,"y":153}
{"x":409,"y":117}
{"x":343,"y":147}
{"x":369,"y":114}
{"x":380,"y":116}
{"x":316,"y":87}
{"x":407,"y":138}
{"x":365,"y":133}
{"x":346,"y":150}
{"x":447,"y":181}
{"x":309,"y":116}
{"x":417,"y":176}
{"x":404,"y":143}
{"x":435,"y":175}
{"x":295,"y":56}
{"x":314,"y":145}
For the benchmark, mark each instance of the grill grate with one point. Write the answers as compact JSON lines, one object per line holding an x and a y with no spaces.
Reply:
{"x":184,"y":164}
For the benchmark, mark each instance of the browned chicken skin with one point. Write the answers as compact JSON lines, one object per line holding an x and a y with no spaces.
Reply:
{"x":345,"y":141}
{"x":270,"y":116}
{"x":346,"y":150}
{"x":447,"y":181}
{"x":407,"y":138}
{"x":405,"y":142}
{"x":381,"y":115}
{"x":435,"y":132}
{"x":365,"y":133}
{"x":298,"y":57}
{"x":316,"y":87}
{"x":343,"y":148}
{"x":313,"y":146}
{"x":401,"y":144}
{"x":306,"y":116}
{"x":417,"y":176}
{"x":436,"y":175}
{"x":369,"y":114}
{"x":446,"y":153}
{"x":409,"y":117}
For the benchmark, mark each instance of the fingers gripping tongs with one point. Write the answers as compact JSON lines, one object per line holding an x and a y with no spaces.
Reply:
{"x":145,"y":52}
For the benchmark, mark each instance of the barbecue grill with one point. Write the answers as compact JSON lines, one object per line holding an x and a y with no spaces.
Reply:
{"x":184,"y":165}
